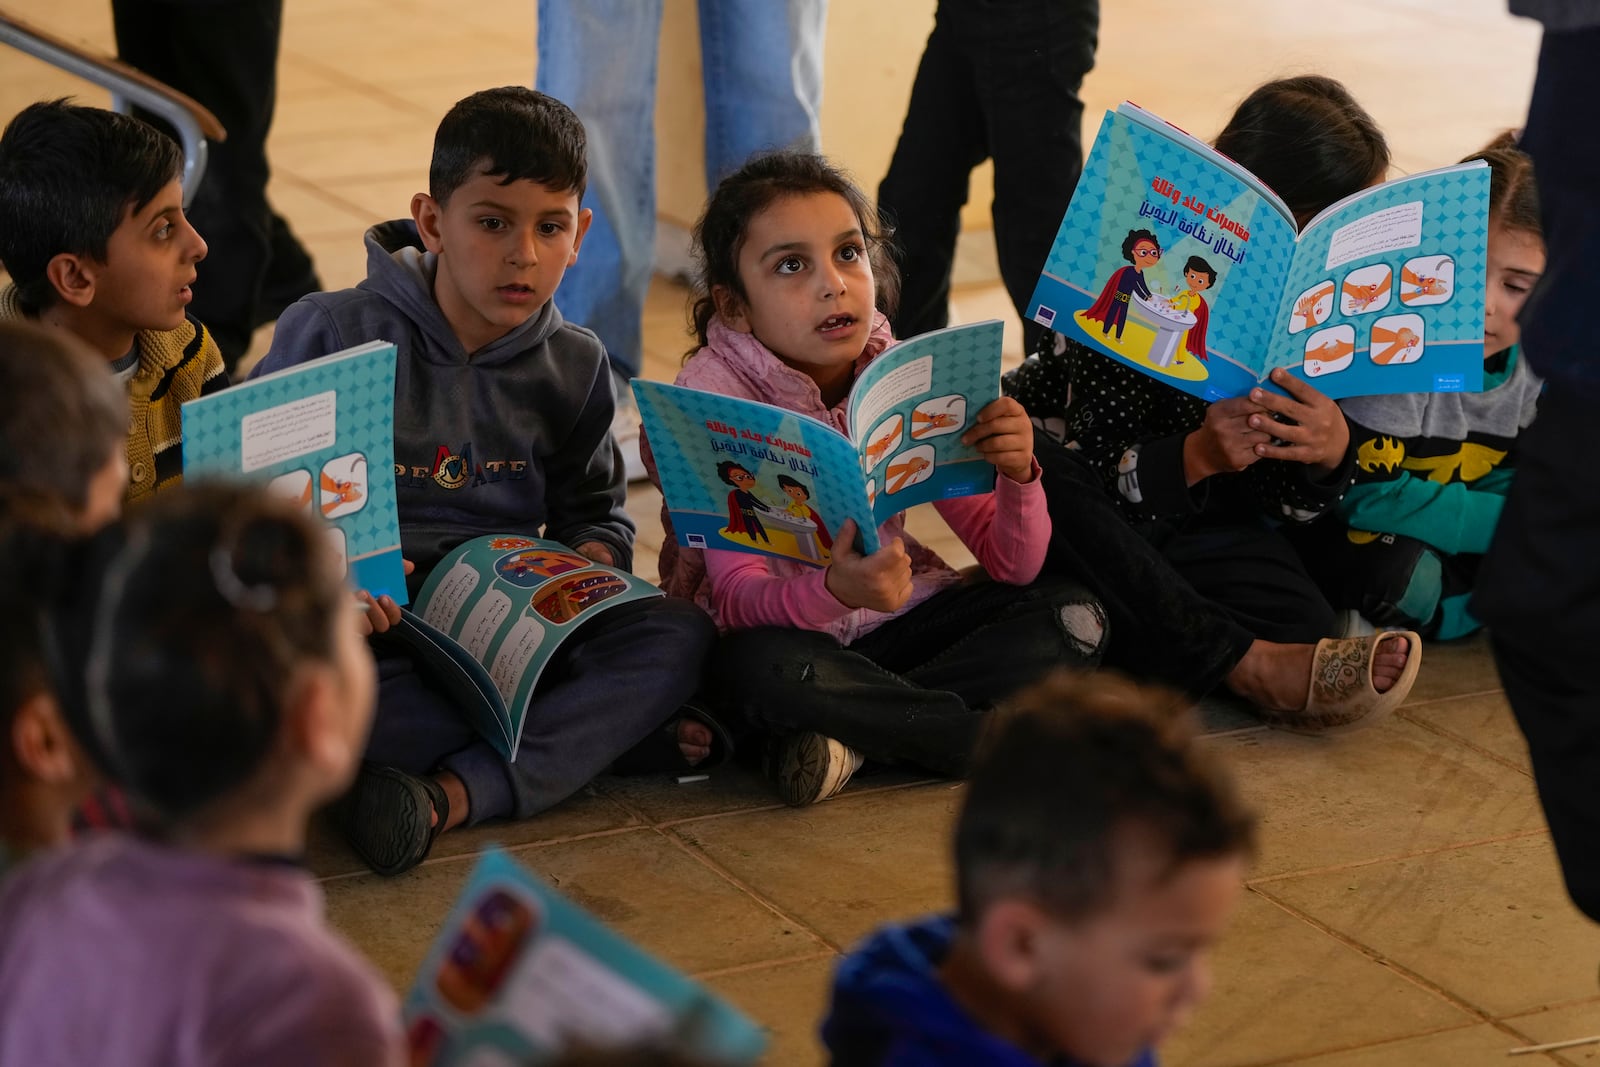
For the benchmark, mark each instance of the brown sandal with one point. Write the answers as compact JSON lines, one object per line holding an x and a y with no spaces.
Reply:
{"x":1341,"y":695}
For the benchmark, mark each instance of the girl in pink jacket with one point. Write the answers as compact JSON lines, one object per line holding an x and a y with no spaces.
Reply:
{"x":891,"y":656}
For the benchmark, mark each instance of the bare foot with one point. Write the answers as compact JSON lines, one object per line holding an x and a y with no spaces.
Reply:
{"x":456,"y":792}
{"x":1278,"y":676}
{"x":694,"y":740}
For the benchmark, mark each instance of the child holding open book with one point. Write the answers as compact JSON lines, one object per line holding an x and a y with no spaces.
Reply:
{"x":890,"y":656}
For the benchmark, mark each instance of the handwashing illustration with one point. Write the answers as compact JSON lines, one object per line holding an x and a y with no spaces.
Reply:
{"x":1427,"y":280}
{"x":1330,"y":351}
{"x":1397,"y":339}
{"x":1312,"y":307}
{"x":1367,"y":289}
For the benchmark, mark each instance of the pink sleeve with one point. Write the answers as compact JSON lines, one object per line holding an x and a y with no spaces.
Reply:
{"x":745,"y":594}
{"x":1008,"y":530}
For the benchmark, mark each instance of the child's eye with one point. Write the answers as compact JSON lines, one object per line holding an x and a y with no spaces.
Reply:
{"x":164,"y":231}
{"x":790,"y":265}
{"x":492,"y":224}
{"x":852,"y":252}
{"x":1165,"y":964}
{"x":550,"y":229}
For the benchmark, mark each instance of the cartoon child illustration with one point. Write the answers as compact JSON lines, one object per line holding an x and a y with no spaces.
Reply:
{"x":800,"y":507}
{"x":744,"y":507}
{"x":1198,"y":273}
{"x":1142,"y":250}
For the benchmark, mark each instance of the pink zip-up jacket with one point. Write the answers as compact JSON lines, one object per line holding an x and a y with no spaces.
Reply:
{"x":1007,"y":530}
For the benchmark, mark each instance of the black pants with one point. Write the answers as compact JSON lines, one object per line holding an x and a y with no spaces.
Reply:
{"x":919,"y":688}
{"x":1539,"y":591}
{"x":998,"y":80}
{"x":225,"y":55}
{"x":1161,"y":627}
{"x":1391,"y":579}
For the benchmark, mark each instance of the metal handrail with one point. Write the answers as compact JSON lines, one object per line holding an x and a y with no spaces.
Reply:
{"x":128,"y":87}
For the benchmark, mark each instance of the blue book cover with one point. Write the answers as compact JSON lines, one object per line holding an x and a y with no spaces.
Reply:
{"x":321,"y":433}
{"x":751,"y":477}
{"x":519,"y":973}
{"x":1176,"y":261}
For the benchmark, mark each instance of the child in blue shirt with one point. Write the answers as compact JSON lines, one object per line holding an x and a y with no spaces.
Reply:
{"x":1098,"y":854}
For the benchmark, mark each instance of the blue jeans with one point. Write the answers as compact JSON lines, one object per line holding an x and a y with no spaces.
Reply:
{"x":762,"y":66}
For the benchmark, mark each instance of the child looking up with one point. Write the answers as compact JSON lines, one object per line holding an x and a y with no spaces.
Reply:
{"x":93,"y":234}
{"x":1098,"y":854}
{"x":1206,"y":590}
{"x":232,"y":702}
{"x":1433,"y":469}
{"x":502,"y":424}
{"x":62,"y":469}
{"x":889,"y":656}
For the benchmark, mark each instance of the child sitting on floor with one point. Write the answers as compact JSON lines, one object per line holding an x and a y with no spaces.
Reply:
{"x":1433,"y":469}
{"x":62,"y":468}
{"x":93,"y":234}
{"x":211,"y":648}
{"x":502,"y":424}
{"x":890,"y":656}
{"x":1098,"y":854}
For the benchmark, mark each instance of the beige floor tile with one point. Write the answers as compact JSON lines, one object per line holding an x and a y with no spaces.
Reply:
{"x":1490,"y":923}
{"x":990,"y":301}
{"x":659,"y":799}
{"x":378,"y":199}
{"x":846,"y":866}
{"x":341,"y":259}
{"x":401,"y":148}
{"x":586,"y":813}
{"x":316,"y":212}
{"x":1455,"y":668}
{"x":1565,"y":1023}
{"x":1484,"y":722}
{"x":640,"y":883}
{"x":790,"y":1000}
{"x":1473,"y":1046}
{"x":1390,"y":790}
{"x":1283,"y":989}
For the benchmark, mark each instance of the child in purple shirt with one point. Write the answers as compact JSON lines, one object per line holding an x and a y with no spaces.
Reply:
{"x":214,"y":658}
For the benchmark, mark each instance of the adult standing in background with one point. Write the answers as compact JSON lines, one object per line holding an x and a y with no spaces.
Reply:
{"x":224,"y":53}
{"x":761,"y":62}
{"x":1540,"y":586}
{"x":998,"y":80}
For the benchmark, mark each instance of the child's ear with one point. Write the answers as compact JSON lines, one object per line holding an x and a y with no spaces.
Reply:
{"x":1009,"y":943}
{"x":73,"y":278}
{"x":585,"y":216}
{"x":426,"y":211}
{"x":316,"y":731}
{"x":40,"y":741}
{"x":730,"y":309}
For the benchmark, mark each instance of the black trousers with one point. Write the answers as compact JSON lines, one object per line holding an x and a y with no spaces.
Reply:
{"x":998,"y":80}
{"x":225,"y":55}
{"x":919,"y":688}
{"x":1162,"y":627}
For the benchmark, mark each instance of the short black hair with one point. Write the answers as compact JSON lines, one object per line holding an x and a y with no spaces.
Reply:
{"x":1308,"y":139}
{"x":726,"y":468}
{"x":68,"y":175}
{"x":784,"y":481}
{"x":1133,"y":238}
{"x":68,"y":419}
{"x":1196,"y":263}
{"x":512,"y":133}
{"x":1078,"y":760}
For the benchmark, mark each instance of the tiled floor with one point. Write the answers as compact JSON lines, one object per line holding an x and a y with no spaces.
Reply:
{"x":1405,"y":909}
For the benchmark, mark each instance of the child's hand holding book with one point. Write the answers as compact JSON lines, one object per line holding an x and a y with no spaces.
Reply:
{"x":881,"y":581}
{"x":1004,"y":435}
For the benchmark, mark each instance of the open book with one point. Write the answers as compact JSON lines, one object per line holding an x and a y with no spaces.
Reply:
{"x":751,"y":477}
{"x":1177,"y":261}
{"x":492,"y":614}
{"x":519,"y":974}
{"x":322,"y":434}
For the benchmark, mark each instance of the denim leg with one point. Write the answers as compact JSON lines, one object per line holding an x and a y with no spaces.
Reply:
{"x":599,"y":57}
{"x":761,"y":61}
{"x":626,"y":673}
{"x":419,"y":730}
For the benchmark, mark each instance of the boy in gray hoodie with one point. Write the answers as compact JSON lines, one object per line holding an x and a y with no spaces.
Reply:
{"x":502,"y":424}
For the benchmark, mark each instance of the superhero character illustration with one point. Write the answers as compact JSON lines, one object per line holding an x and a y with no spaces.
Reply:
{"x":1142,"y":251}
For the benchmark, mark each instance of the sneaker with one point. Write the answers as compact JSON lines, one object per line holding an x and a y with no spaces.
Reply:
{"x":625,"y":429}
{"x":809,"y":767}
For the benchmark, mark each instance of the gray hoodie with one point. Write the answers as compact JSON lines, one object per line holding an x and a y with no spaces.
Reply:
{"x":515,"y":437}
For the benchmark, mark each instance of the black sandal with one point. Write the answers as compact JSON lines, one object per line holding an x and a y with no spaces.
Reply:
{"x":391,"y":818}
{"x":659,"y":753}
